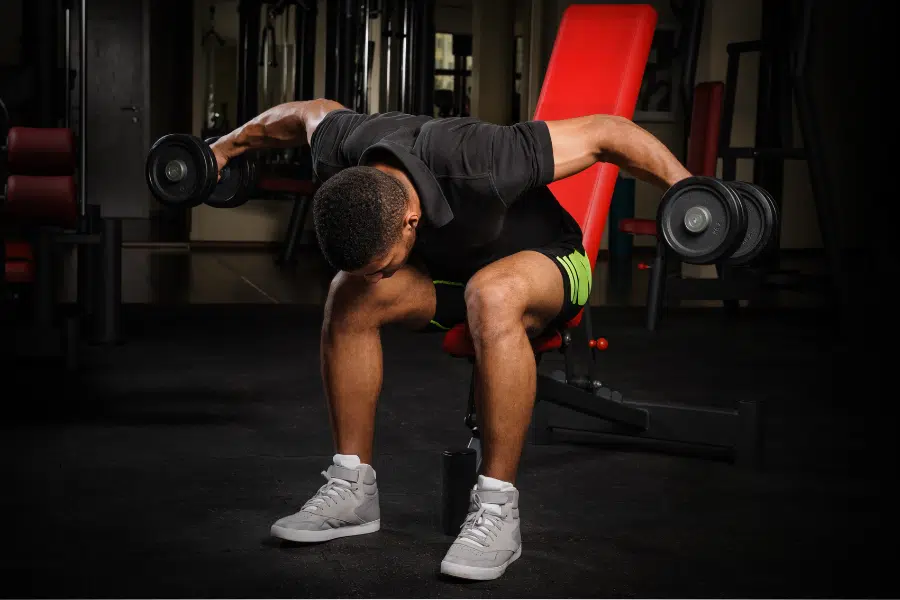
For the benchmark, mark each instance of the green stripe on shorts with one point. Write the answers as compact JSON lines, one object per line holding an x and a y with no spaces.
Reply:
{"x":567,"y":266}
{"x":581,"y":279}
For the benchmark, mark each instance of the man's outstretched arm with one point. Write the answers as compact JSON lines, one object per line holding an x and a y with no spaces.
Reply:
{"x":580,"y":142}
{"x":284,"y":126}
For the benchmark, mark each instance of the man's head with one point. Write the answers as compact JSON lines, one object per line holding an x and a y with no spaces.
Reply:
{"x":364,"y":222}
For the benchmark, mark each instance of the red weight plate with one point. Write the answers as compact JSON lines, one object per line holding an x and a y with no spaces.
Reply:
{"x":46,"y":200}
{"x":33,"y":151}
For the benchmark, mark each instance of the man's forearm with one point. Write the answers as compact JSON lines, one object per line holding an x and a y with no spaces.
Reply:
{"x":635,"y":150}
{"x":284,"y":126}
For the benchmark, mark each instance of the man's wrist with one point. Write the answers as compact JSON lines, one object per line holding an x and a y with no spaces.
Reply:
{"x":226,"y":146}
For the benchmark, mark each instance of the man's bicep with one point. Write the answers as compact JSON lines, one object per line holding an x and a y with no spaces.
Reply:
{"x":574,"y":145}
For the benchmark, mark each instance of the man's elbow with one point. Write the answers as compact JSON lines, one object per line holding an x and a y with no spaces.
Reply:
{"x":607,"y":132}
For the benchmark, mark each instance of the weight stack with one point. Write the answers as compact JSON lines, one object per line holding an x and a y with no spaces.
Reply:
{"x":458,"y":477}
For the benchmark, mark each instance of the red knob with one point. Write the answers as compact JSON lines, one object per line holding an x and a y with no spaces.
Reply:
{"x":643,"y":266}
{"x":600,"y":343}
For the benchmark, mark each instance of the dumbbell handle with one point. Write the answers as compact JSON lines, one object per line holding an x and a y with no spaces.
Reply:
{"x":176,"y":170}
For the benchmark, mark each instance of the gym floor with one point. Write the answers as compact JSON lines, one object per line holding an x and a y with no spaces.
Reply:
{"x":157,"y":470}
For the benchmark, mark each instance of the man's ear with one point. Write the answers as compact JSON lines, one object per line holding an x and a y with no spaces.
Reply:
{"x":412,"y":220}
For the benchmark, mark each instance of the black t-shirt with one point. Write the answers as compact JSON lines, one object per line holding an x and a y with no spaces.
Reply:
{"x":483,"y":187}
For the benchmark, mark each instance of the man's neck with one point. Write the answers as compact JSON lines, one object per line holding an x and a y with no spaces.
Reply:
{"x":398,"y":173}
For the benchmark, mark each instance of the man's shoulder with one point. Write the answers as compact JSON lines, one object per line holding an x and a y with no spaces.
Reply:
{"x":457,"y":147}
{"x":344,"y":136}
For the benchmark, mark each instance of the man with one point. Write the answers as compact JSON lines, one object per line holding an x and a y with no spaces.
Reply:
{"x":432,"y":222}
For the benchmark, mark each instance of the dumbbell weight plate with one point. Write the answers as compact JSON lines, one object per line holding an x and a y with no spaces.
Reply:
{"x":180,"y":170}
{"x":233,"y":189}
{"x":702,"y":220}
{"x":762,"y":222}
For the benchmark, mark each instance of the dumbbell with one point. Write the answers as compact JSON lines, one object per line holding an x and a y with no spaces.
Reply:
{"x":182,"y":172}
{"x":705,"y":220}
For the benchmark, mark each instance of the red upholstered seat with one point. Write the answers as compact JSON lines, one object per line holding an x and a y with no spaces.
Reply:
{"x":703,"y":146}
{"x":596,"y":67}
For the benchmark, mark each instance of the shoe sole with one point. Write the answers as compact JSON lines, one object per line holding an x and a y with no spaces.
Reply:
{"x":303,"y":535}
{"x":478,"y":573}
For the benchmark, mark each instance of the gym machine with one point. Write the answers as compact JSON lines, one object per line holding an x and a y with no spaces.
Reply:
{"x":43,"y":213}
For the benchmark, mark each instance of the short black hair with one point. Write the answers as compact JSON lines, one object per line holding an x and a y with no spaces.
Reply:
{"x":358,"y":214}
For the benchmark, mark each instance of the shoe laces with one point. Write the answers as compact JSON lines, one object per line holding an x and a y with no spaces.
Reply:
{"x":481,"y":525}
{"x":336,"y":489}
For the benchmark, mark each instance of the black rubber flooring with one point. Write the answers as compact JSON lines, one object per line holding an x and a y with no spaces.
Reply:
{"x":159,"y":469}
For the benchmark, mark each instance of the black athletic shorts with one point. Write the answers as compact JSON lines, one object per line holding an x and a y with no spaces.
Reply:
{"x":568,"y":256}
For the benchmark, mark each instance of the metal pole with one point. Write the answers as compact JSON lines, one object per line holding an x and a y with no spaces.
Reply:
{"x":366,"y":58}
{"x":67,"y":118}
{"x":404,"y":56}
{"x":347,"y":58}
{"x":82,"y":110}
{"x":308,"y":65}
{"x":242,"y":63}
{"x":44,"y":285}
{"x":411,"y":91}
{"x":107,"y":321}
{"x":689,"y":78}
{"x":425,"y":35}
{"x":332,"y":49}
{"x":86,"y":293}
{"x":384,"y":82}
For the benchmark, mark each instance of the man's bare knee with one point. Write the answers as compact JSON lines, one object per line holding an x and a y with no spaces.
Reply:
{"x":351,"y":302}
{"x":494,"y":306}
{"x":407,"y":298}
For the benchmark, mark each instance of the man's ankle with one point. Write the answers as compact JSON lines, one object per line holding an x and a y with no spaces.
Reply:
{"x":494,"y":485}
{"x":348,"y":461}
